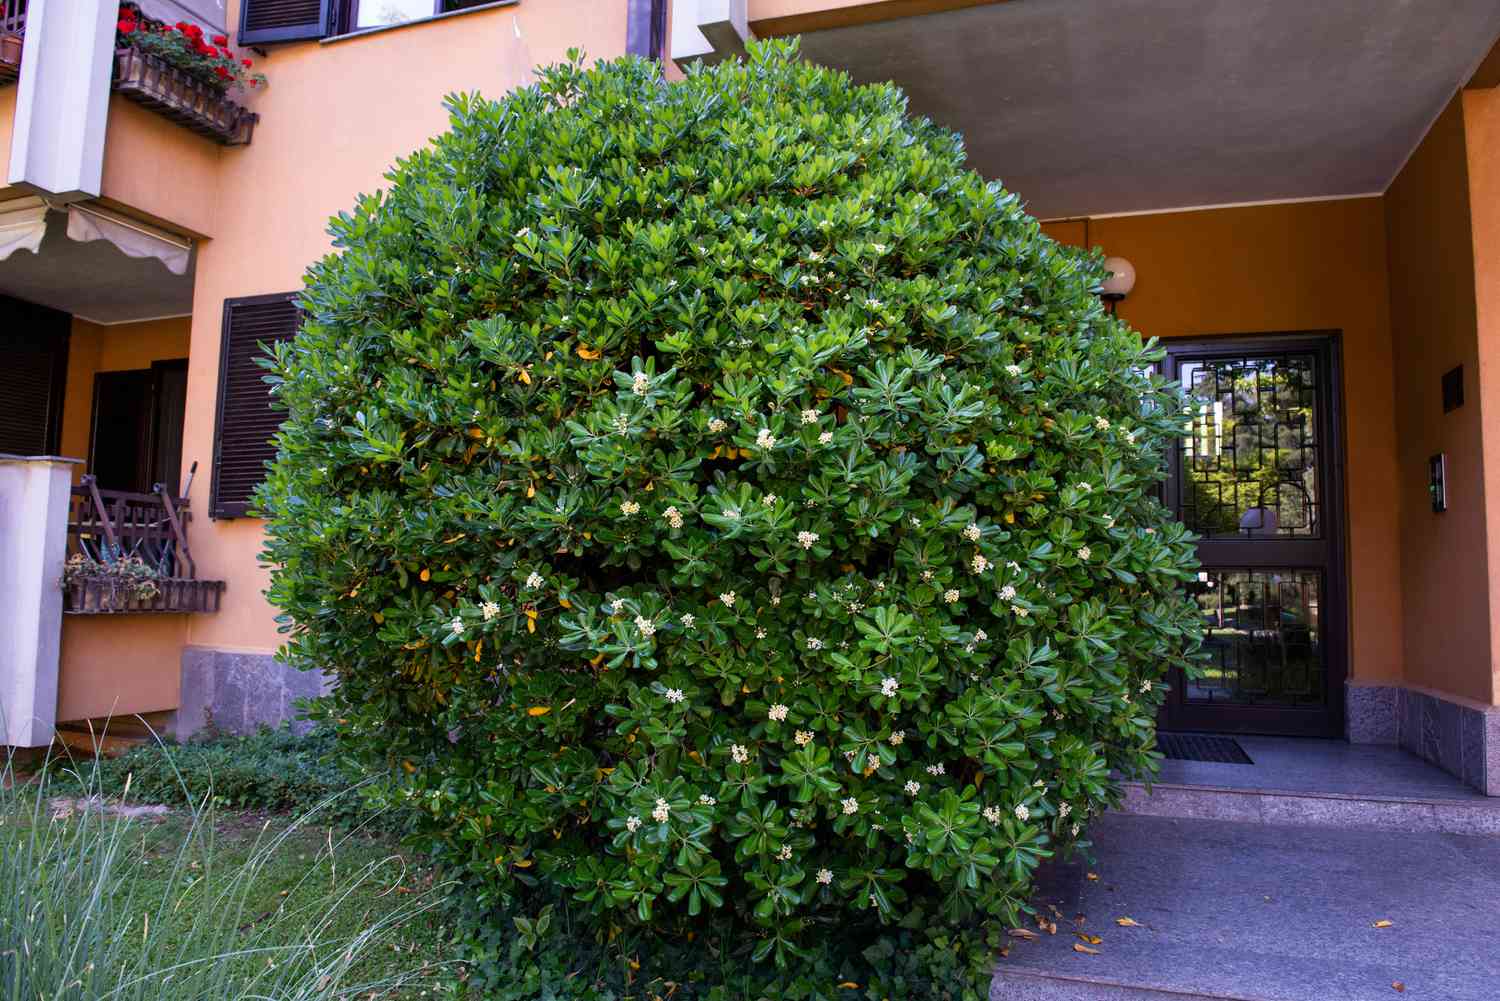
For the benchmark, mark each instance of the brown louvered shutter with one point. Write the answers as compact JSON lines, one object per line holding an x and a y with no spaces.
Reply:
{"x":246,"y":422}
{"x":283,"y":20}
{"x":33,"y":373}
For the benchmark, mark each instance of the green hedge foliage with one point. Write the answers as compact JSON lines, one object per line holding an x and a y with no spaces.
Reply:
{"x":715,"y":500}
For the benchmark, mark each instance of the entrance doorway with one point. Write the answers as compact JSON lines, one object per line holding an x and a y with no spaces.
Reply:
{"x":1258,"y":478}
{"x":136,"y":439}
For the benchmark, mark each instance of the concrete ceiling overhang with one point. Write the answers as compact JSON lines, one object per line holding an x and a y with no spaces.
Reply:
{"x":94,"y":280}
{"x":1091,"y":107}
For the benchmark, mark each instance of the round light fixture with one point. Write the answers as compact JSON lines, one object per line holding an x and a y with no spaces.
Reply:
{"x":1121,"y":278}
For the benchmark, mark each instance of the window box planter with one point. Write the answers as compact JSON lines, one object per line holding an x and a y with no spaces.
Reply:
{"x":191,"y":103}
{"x":10,"y":57}
{"x":102,"y":596}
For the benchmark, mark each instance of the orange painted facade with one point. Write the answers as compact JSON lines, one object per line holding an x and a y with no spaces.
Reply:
{"x":1410,"y":280}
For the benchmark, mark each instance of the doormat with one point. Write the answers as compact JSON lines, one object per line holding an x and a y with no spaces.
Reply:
{"x":1197,"y":747}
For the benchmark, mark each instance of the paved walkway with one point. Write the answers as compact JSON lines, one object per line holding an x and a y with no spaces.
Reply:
{"x":1263,"y":912}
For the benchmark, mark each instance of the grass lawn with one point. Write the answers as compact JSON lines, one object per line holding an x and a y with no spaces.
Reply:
{"x":371,"y":877}
{"x":254,"y":883}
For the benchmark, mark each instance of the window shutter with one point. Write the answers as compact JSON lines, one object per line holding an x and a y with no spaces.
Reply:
{"x":245,"y":421}
{"x":33,"y":373}
{"x":283,"y":20}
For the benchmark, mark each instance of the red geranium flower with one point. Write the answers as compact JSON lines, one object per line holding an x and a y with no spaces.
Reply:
{"x":246,"y":63}
{"x":125,"y":27}
{"x":223,"y":73}
{"x":220,"y":39}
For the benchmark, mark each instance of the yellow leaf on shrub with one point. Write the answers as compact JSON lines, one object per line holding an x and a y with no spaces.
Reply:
{"x":596,"y":660}
{"x":379,"y":618}
{"x":524,"y":376}
{"x":538,"y":710}
{"x":849,"y":985}
{"x":525,"y":863}
{"x":564,"y":602}
{"x":425,"y":574}
{"x":586,"y":354}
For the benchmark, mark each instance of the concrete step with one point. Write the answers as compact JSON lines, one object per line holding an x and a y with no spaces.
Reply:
{"x":1234,"y":911}
{"x":1475,"y":816}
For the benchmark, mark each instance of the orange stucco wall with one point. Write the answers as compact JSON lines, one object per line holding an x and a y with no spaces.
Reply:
{"x":116,"y":665}
{"x":1444,"y":560}
{"x":335,"y":117}
{"x":159,"y":170}
{"x":1481,"y":113}
{"x":1279,"y":268}
{"x":111,"y":665}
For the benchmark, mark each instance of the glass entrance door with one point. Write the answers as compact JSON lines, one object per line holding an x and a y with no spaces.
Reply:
{"x":1257,"y":478}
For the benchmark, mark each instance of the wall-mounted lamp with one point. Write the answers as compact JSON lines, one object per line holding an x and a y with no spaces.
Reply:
{"x":1119,"y":283}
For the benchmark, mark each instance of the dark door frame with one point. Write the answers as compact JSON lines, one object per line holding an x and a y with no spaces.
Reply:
{"x":148,"y":443}
{"x":1328,"y":553}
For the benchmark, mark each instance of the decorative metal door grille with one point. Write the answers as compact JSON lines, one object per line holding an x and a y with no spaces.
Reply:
{"x":1250,"y":462}
{"x":1262,"y":631}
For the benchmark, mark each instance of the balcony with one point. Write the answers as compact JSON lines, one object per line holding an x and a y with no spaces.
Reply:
{"x":148,"y":80}
{"x":12,"y":28}
{"x":128,"y":553}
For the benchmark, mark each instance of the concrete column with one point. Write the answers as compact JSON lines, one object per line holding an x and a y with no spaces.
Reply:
{"x":62,"y":97}
{"x":33,"y":546}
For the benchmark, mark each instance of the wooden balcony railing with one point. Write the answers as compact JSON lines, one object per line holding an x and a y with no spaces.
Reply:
{"x":12,"y":27}
{"x":108,"y":526}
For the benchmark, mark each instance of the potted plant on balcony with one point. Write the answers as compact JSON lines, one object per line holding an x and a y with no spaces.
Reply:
{"x":110,"y":584}
{"x":10,"y":49}
{"x":185,"y":74}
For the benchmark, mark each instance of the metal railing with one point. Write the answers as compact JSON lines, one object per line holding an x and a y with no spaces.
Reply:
{"x":109,"y":526}
{"x":12,"y":17}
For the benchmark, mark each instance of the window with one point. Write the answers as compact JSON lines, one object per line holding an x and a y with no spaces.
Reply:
{"x":245,"y":421}
{"x":33,"y":374}
{"x":358,"y":14}
{"x":295,"y":20}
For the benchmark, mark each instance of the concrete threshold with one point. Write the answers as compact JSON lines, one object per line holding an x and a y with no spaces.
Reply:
{"x":1299,"y":808}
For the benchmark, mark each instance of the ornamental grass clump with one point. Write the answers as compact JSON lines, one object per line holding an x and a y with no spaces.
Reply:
{"x":718,"y":503}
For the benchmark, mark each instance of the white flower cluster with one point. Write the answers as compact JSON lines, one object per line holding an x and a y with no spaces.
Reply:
{"x":992,"y":814}
{"x":739,"y":753}
{"x":979,"y":564}
{"x":715,"y":425}
{"x":534,"y":581}
{"x":850,"y":805}
{"x":489,"y":610}
{"x":1013,"y":370}
{"x":809,"y":417}
{"x":898,"y":738}
{"x":765,"y":440}
{"x":889,"y":686}
{"x":973,"y":532}
{"x":673,"y":516}
{"x":912,"y":787}
{"x":645,"y":625}
{"x":777,"y":713}
{"x":727,"y":598}
{"x":706,"y":800}
{"x":674,"y":695}
{"x":936,"y":769}
{"x":661,"y":812}
{"x":457,"y":625}
{"x":1084,"y":552}
{"x":688,"y":618}
{"x":826,"y":438}
{"x":632,"y":824}
{"x":803,"y":737}
{"x":629,"y":507}
{"x":807,"y":539}
{"x":813,"y":643}
{"x":825,"y":876}
{"x":640,"y":384}
{"x":950,"y":595}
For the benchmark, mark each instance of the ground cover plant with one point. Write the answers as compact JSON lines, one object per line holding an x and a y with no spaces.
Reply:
{"x":730,"y":520}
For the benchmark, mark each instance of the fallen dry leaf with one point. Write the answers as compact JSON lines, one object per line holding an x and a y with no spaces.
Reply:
{"x":1025,"y":933}
{"x":1090,"y":939}
{"x":1080,"y":947}
{"x":1398,"y":987}
{"x":1128,"y":923}
{"x":1050,"y":927}
{"x":1383,"y":923}
{"x":1093,"y":875}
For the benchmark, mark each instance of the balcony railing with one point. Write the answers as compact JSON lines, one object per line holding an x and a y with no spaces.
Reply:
{"x":12,"y":27}
{"x":110,"y":526}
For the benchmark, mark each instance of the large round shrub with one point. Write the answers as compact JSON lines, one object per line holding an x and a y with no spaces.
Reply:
{"x":712,"y":497}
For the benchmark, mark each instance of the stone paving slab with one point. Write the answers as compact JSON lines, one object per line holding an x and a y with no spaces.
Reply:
{"x":1262,"y":912}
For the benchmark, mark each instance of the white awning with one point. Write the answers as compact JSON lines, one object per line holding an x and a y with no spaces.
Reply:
{"x":132,"y":237}
{"x":23,"y":223}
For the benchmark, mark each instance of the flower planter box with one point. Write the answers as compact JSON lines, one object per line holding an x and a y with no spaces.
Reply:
{"x":10,"y":58}
{"x":102,"y":596}
{"x":189,"y":102}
